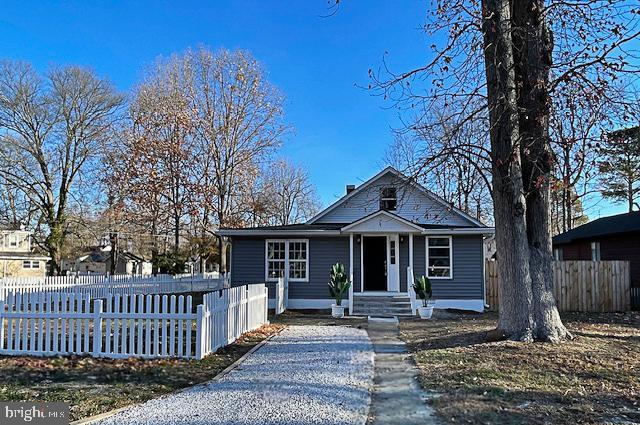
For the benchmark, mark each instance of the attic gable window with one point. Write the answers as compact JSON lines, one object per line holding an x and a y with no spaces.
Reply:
{"x":388,"y":198}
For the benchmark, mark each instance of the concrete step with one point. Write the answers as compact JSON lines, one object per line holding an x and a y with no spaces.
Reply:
{"x":391,"y":305}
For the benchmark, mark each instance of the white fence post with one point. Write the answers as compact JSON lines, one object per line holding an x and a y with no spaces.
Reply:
{"x":266,"y":304}
{"x":286,"y":292}
{"x":97,"y":328}
{"x":200,"y":332}
{"x":2,"y":324}
{"x":280,"y":296}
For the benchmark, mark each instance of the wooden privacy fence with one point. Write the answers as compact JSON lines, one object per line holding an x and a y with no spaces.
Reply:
{"x":587,"y":286}
{"x":100,"y":286}
{"x":121,"y":326}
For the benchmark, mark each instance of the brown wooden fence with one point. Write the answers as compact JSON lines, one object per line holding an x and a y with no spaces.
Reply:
{"x":588,"y":286}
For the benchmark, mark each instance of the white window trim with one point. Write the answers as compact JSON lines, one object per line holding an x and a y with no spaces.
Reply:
{"x":426,"y":248}
{"x":383,"y":198}
{"x":32,"y":264}
{"x":286,"y":259}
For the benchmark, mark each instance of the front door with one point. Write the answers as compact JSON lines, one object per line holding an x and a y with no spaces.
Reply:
{"x":374,"y":261}
{"x":393,"y":268}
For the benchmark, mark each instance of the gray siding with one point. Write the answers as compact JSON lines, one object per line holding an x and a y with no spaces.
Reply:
{"x":404,"y":261}
{"x":248,"y":264}
{"x":467,"y":268}
{"x":413,"y":205}
{"x":356,"y":264}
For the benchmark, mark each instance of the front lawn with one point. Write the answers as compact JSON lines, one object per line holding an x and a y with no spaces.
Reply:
{"x":93,"y":386}
{"x":595,"y":378}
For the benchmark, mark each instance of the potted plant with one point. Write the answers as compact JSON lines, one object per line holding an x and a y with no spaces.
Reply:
{"x":422,"y":288}
{"x":338,"y":287}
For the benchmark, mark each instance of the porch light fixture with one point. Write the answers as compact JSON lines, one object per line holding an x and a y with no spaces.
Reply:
{"x":401,"y":239}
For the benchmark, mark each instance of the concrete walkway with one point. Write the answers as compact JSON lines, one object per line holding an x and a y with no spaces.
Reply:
{"x":397,"y":398}
{"x":304,"y":375}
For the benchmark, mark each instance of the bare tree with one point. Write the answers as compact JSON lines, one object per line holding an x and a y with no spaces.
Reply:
{"x":507,"y":59}
{"x":292,"y":197}
{"x":238,"y":121}
{"x":52,"y":126}
{"x":451,"y":158}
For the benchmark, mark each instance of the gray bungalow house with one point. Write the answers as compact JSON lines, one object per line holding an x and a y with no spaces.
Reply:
{"x":385,"y":231}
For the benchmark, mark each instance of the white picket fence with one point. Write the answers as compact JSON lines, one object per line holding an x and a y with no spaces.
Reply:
{"x":100,"y":286}
{"x":225,"y":315}
{"x":281,"y":295}
{"x":120,"y":326}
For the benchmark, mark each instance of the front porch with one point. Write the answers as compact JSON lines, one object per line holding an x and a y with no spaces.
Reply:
{"x":381,"y":257}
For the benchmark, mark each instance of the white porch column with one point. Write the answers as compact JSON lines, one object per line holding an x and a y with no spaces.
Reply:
{"x":351,"y":274}
{"x":411,"y":250}
{"x":410,"y":291}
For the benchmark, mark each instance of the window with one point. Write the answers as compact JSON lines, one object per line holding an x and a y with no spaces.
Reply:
{"x":276,"y":253}
{"x":30,"y":264}
{"x":595,"y":251}
{"x":388,"y":199}
{"x":439,"y":253}
{"x":298,"y":260}
{"x":13,"y":240}
{"x":392,"y":251}
{"x":287,"y":256}
{"x":557,"y":254}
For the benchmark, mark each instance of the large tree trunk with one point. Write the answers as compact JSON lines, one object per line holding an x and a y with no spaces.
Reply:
{"x":532,"y":49}
{"x":515,"y":319}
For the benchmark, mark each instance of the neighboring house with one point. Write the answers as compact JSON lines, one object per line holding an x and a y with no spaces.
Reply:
{"x":94,"y":262}
{"x":490,"y":248}
{"x":17,"y":258}
{"x":98,"y":261}
{"x":381,"y":231}
{"x":130,"y":264}
{"x":608,"y":238}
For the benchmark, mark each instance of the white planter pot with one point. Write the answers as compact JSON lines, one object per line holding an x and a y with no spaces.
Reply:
{"x":425,"y":312}
{"x":337,"y":311}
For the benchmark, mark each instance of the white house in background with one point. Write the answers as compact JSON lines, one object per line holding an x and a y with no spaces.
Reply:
{"x":17,"y":258}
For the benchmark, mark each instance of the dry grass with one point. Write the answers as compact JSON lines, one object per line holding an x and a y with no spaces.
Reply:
{"x":92,"y":386}
{"x":595,"y":378}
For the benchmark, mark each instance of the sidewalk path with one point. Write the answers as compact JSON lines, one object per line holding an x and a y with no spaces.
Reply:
{"x":304,"y":375}
{"x":397,"y":398}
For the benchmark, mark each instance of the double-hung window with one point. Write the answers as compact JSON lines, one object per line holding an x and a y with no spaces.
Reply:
{"x":388,"y":198}
{"x":439,"y":257}
{"x":288,"y":258}
{"x":29,"y":264}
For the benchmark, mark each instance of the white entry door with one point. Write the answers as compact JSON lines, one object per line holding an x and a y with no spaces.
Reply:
{"x":393,"y":268}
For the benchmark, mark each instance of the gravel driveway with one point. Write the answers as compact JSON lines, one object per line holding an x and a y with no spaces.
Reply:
{"x":304,"y":375}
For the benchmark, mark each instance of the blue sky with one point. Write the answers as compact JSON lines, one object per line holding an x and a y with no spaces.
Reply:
{"x":340,"y":131}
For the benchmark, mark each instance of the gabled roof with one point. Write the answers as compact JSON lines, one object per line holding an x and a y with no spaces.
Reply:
{"x":404,"y":179}
{"x":386,"y":222}
{"x":621,"y":223}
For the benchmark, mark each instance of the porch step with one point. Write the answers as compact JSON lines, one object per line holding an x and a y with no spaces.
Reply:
{"x":392,"y":305}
